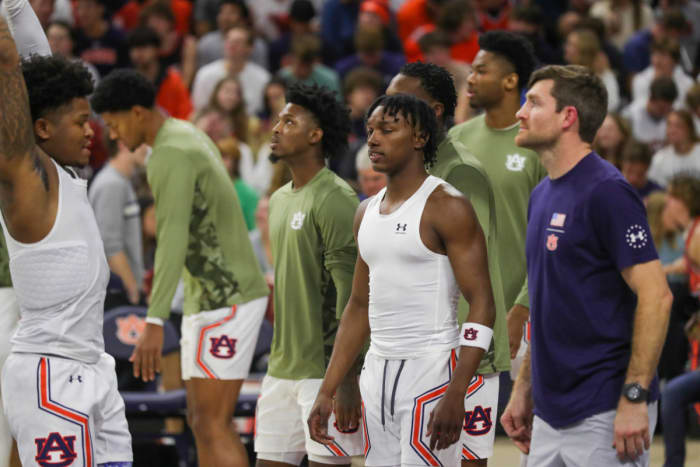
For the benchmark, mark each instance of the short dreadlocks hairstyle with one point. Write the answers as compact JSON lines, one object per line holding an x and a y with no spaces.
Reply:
{"x":53,"y":82}
{"x":513,"y":48}
{"x":417,"y":113}
{"x":332,"y":116}
{"x":121,"y":90}
{"x":437,"y":82}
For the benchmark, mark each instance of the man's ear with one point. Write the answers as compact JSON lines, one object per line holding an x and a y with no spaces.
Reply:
{"x":570,"y":117}
{"x":510,"y":82}
{"x":439,"y":110}
{"x":315,"y":135}
{"x":420,"y":139}
{"x":43,"y":128}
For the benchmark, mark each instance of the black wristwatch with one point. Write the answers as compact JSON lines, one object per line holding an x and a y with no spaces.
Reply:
{"x":634,"y":392}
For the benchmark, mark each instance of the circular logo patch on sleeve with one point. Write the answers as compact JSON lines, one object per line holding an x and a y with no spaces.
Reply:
{"x":636,"y":236}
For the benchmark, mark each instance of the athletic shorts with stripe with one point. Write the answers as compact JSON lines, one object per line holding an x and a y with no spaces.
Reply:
{"x":65,"y":412}
{"x":398,"y":397}
{"x":480,"y":408}
{"x":219,"y":344}
{"x":281,"y":432}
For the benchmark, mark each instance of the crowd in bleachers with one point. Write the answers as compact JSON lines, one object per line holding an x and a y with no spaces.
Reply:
{"x":225,"y":65}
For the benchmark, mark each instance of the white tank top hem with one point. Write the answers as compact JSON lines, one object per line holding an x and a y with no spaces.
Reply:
{"x":61,"y":280}
{"x":413,"y":292}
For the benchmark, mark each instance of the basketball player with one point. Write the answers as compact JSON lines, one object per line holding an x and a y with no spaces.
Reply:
{"x":459,"y":168}
{"x":59,"y":387}
{"x":420,"y":244}
{"x":500,"y":71}
{"x":600,"y":300}
{"x":314,"y":251}
{"x":202,"y":235}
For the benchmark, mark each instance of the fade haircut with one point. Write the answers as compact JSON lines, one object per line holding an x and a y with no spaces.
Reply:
{"x":332,"y":116}
{"x":121,"y":90}
{"x":514,"y":49}
{"x":578,"y":87}
{"x":417,"y":114}
{"x":437,"y":82}
{"x":53,"y":82}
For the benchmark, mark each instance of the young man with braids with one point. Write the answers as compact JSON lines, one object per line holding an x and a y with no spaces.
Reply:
{"x":202,"y":235}
{"x":420,"y":245}
{"x":459,"y":168}
{"x":314,"y":252}
{"x":59,"y":388}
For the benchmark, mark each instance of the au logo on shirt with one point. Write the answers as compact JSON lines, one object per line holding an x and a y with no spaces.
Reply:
{"x":297,"y":220}
{"x":552,"y":242}
{"x":515,"y":162}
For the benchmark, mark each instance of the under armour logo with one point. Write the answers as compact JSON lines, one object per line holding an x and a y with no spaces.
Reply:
{"x":77,"y":378}
{"x":401,"y":228}
{"x":222,"y":347}
{"x":63,"y":446}
{"x":470,"y":334}
{"x":636,"y":236}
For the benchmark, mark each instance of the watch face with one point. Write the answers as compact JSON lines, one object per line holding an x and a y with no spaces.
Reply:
{"x":633,"y":393}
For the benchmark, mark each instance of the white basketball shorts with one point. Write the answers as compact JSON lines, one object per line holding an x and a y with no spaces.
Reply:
{"x":65,"y":412}
{"x":220,"y":344}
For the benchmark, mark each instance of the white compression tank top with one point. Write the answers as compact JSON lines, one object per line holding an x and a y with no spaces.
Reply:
{"x":412,"y":290}
{"x":61,"y":280}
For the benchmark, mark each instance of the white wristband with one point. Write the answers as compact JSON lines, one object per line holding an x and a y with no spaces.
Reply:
{"x":476,"y":335}
{"x":154,"y":320}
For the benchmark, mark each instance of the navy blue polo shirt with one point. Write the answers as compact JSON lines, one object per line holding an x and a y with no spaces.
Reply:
{"x":583,"y":229}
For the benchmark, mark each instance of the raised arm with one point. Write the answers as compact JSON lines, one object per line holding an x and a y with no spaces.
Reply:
{"x":25,"y":27}
{"x":454,"y":221}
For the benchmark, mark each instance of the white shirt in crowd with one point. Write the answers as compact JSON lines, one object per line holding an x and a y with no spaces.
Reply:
{"x":644,"y":127}
{"x":253,"y":79}
{"x":667,"y":163}
{"x":642,"y":81}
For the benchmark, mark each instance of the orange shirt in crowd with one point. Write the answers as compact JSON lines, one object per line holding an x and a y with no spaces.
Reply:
{"x":412,"y":15}
{"x":490,"y":23}
{"x":464,"y":51}
{"x":129,"y":15}
{"x":173,"y":95}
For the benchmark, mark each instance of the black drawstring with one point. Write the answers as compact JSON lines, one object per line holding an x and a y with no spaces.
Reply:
{"x":386,"y":362}
{"x":396,"y":383}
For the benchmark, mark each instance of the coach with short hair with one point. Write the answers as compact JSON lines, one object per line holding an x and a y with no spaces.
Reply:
{"x":599,"y":299}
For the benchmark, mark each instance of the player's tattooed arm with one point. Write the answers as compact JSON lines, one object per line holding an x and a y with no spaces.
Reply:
{"x":16,"y":132}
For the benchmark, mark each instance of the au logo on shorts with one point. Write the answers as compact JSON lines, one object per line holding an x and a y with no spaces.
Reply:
{"x":478,"y":421}
{"x":223,"y":346}
{"x":55,"y":450}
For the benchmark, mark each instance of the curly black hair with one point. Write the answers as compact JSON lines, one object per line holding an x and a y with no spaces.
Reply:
{"x":437,"y":82}
{"x":515,"y":49}
{"x":332,"y":116}
{"x":418,"y":113}
{"x":53,"y":82}
{"x":121,"y":90}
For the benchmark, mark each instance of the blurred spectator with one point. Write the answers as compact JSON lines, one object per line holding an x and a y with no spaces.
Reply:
{"x":369,"y":44}
{"x":416,"y":13}
{"x":435,"y":47}
{"x":117,"y":214}
{"x":361,"y":87}
{"x":61,"y":39}
{"x":664,"y":62}
{"x":583,"y":48}
{"x":171,"y":93}
{"x":129,"y":16}
{"x":274,"y":101}
{"x":494,"y":14}
{"x":637,"y":50}
{"x":301,"y":12}
{"x":690,"y":39}
{"x":305,"y":67}
{"x":636,"y":159}
{"x":682,"y":155}
{"x":175,"y":49}
{"x":238,"y":46}
{"x":44,"y":11}
{"x":231,"y":155}
{"x":370,"y":181}
{"x":648,"y":117}
{"x":270,"y":18}
{"x":214,"y":123}
{"x":457,"y":20}
{"x":692,"y":103}
{"x":623,"y":18}
{"x":97,"y":41}
{"x":611,"y":139}
{"x":338,"y":23}
{"x":529,"y":21}
{"x":212,"y":45}
{"x":613,"y":54}
{"x":378,"y":14}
